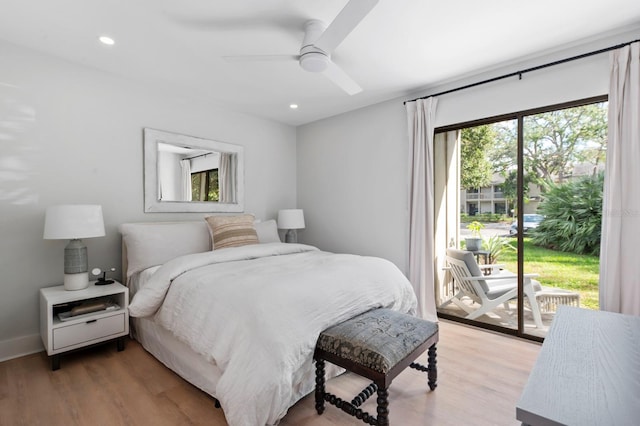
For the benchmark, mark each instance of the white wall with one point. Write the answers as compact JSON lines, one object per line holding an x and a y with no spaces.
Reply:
{"x":170,"y":176}
{"x":70,"y":134}
{"x":207,"y":162}
{"x":352,"y":182}
{"x":352,"y":169}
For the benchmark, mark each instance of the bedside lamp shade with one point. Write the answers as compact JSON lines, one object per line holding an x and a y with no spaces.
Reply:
{"x":73,"y":222}
{"x":291,"y":219}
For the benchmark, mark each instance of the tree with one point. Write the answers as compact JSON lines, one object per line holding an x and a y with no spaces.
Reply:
{"x":476,"y":170}
{"x":510,"y":187}
{"x":504,"y":152}
{"x":554,"y":142}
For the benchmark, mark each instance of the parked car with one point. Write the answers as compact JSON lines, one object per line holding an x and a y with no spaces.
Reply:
{"x":530,"y":221}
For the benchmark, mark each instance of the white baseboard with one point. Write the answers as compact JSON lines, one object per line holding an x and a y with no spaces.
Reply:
{"x":20,"y":346}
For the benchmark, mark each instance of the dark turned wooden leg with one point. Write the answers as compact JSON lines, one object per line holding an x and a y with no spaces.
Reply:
{"x":120,"y":343}
{"x":433,"y":369}
{"x":55,"y":362}
{"x":383,"y":407}
{"x":364,"y":395}
{"x":320,"y":386}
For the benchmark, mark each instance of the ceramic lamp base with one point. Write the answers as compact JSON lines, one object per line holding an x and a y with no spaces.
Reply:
{"x":291,"y":236}
{"x":76,"y":281}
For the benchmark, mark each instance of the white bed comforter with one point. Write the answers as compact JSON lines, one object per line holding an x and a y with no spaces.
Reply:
{"x":257,"y":312}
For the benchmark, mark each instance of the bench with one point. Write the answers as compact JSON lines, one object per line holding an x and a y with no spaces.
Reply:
{"x":378,"y":345}
{"x":586,"y":373}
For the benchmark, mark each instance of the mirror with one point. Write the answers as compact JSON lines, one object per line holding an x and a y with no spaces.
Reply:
{"x":189,"y":174}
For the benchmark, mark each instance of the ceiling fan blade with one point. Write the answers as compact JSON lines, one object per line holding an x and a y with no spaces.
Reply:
{"x":260,"y":20}
{"x":348,"y":18}
{"x":260,"y":58}
{"x":341,"y":79}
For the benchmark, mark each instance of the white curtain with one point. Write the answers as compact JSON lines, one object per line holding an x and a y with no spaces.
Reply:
{"x":420,"y":119}
{"x":185,"y":187}
{"x":227,"y":177}
{"x":619,"y":266}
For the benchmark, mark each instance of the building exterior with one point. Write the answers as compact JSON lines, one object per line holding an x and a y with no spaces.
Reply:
{"x":491,"y":199}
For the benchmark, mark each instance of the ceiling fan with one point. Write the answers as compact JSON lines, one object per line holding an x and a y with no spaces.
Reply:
{"x":319,"y":43}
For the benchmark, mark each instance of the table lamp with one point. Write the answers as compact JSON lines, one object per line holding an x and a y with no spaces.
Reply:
{"x":73,"y":222}
{"x":291,"y":219}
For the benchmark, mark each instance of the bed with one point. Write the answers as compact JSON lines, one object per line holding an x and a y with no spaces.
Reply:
{"x":241,"y":321}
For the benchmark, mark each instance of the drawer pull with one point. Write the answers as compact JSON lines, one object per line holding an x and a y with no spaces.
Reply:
{"x":90,"y":321}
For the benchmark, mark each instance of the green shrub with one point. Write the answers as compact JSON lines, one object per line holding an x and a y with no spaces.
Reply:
{"x":484,"y":217}
{"x":497,"y":246}
{"x":573,"y":216}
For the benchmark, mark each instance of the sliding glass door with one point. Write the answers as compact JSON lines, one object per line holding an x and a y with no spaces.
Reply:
{"x":527,"y":188}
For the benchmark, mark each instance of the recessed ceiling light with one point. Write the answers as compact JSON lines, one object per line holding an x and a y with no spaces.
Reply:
{"x":106,"y":40}
{"x":293,"y":106}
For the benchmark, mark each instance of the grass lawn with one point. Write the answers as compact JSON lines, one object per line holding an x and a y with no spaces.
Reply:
{"x":569,"y":271}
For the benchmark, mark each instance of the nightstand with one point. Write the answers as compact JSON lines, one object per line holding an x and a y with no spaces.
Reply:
{"x":62,"y":332}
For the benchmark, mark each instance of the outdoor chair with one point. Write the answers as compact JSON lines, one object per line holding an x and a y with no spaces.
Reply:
{"x":488,"y":291}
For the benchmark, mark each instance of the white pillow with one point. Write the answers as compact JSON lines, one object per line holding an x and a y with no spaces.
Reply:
{"x":154,"y":243}
{"x":267,"y":231}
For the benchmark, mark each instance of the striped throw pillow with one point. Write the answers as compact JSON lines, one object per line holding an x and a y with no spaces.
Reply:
{"x":232,"y":231}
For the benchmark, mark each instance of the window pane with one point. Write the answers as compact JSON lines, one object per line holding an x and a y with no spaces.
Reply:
{"x":488,"y":195}
{"x":565,"y":158}
{"x":196,"y":179}
{"x":204,"y":186}
{"x":214,"y":189}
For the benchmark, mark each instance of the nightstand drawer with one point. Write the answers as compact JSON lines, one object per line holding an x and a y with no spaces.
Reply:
{"x":87,"y":331}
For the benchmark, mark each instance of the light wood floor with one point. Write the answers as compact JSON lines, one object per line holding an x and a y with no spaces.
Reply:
{"x":480,"y":378}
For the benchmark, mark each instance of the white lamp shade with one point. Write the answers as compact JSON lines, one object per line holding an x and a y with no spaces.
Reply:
{"x":74,"y":221}
{"x":291,"y":219}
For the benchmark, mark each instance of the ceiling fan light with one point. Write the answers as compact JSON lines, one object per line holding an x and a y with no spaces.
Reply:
{"x":314,"y":62}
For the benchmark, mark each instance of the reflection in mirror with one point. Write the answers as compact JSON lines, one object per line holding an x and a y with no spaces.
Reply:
{"x":188,"y":174}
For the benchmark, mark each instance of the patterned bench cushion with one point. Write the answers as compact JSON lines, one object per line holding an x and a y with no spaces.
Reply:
{"x":377,"y":339}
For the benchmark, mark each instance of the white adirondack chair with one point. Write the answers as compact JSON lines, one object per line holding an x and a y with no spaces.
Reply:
{"x":488,"y":291}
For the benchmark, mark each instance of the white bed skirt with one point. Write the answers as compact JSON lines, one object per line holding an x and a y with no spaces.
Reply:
{"x":186,"y":363}
{"x":176,"y":355}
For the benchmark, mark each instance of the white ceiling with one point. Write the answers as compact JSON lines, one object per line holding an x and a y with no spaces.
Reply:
{"x":402,"y":46}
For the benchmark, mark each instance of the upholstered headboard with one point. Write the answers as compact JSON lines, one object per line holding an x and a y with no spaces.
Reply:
{"x":153,"y":243}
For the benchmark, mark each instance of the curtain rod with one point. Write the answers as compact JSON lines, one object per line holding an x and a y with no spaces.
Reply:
{"x":196,"y":156}
{"x":519,"y":73}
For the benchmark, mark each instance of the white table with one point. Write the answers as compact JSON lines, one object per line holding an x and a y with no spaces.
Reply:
{"x":587,"y":373}
{"x":60,"y":336}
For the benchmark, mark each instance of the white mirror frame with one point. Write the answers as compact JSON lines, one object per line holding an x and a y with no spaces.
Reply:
{"x":151,"y":203}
